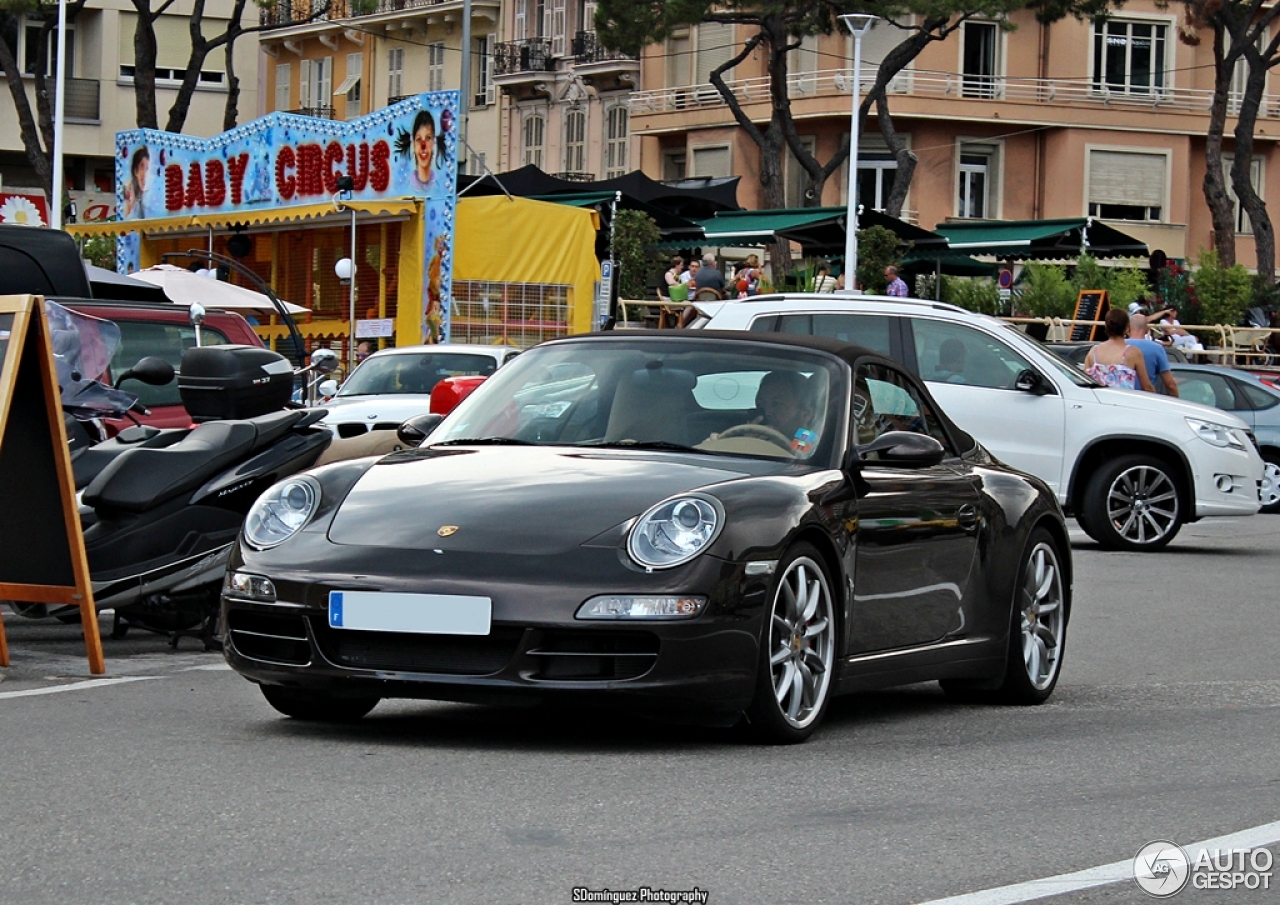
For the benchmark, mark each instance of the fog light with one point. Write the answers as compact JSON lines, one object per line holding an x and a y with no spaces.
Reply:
{"x":636,"y":607}
{"x":1225,"y":482}
{"x":253,"y":587}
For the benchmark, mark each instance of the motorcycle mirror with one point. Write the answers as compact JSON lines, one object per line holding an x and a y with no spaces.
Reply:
{"x":418,"y":428}
{"x":196,"y":314}
{"x":325,"y":361}
{"x":152,"y":370}
{"x":328,"y":387}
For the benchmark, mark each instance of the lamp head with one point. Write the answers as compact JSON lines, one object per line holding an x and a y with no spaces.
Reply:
{"x":345,"y":268}
{"x":858,"y":23}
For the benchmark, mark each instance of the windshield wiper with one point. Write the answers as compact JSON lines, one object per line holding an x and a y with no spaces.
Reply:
{"x":485,"y":441}
{"x":643,"y":444}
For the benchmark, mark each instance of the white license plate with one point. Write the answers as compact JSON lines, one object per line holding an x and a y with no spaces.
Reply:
{"x":426,"y":614}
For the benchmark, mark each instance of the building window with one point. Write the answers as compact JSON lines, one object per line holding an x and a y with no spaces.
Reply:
{"x":317,"y":84}
{"x":485,"y":93}
{"x":395,"y":72}
{"x":350,"y":87}
{"x":1244,"y":226}
{"x":615,"y":141}
{"x":477,"y":164}
{"x":795,"y":178}
{"x":976,"y":186}
{"x":534,"y":128}
{"x":435,"y":66}
{"x":284,"y":83}
{"x":679,"y":58}
{"x":979,"y":59}
{"x":674,"y":166}
{"x":556,"y":25}
{"x":713,"y":162}
{"x":26,"y":50}
{"x":575,"y":141}
{"x":1129,"y":57}
{"x":1127,"y":185}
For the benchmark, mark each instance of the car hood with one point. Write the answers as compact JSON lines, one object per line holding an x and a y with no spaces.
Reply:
{"x":530,"y":500}
{"x":1156,"y":402}
{"x":374,"y":409}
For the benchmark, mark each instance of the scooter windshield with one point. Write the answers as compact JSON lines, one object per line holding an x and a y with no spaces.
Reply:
{"x":82,"y":350}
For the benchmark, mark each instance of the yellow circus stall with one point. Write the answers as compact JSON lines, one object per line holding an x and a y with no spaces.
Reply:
{"x":288,"y":201}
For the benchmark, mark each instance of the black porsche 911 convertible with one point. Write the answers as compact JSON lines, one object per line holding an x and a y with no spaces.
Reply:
{"x":728,"y":525}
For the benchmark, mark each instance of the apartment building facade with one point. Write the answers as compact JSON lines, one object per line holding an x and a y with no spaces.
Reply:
{"x":357,"y":56}
{"x":568,"y":96}
{"x":1102,"y":119}
{"x":100,"y":93}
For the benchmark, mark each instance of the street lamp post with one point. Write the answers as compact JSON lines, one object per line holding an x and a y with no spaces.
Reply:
{"x":858,"y":24}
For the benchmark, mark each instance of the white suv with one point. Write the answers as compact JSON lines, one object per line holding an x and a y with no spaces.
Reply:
{"x":1132,"y":467}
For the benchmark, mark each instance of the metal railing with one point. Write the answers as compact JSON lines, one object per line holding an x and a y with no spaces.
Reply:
{"x":931,"y":83}
{"x":574,"y":176}
{"x":320,"y":112}
{"x":588,"y":49}
{"x":533,"y":55}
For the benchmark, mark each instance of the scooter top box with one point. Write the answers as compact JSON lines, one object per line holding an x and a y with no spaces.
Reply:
{"x":221,"y":382}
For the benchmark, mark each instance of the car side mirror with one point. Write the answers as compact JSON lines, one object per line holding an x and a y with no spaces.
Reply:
{"x":903,"y":448}
{"x":1029,"y":381}
{"x":328,"y":387}
{"x":151,"y":370}
{"x":418,"y":428}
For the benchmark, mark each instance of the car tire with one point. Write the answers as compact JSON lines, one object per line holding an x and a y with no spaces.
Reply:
{"x":1270,"y":493}
{"x":1038,"y":627}
{"x":317,"y":706}
{"x":797,"y":651}
{"x":1132,"y":503}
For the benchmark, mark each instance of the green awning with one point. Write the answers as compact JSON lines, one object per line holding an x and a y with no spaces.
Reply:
{"x":819,"y":230}
{"x":1040,"y":239}
{"x":949,"y":262}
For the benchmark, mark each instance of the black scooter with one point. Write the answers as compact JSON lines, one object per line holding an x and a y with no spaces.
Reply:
{"x":163,"y":515}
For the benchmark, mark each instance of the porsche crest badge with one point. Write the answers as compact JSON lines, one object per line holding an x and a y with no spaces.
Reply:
{"x":447,"y":530}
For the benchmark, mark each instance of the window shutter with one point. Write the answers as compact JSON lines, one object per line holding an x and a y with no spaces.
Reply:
{"x":490,"y":90}
{"x":283,"y":78}
{"x":521,"y":29}
{"x":1122,"y":177}
{"x":715,"y":47}
{"x":304,"y":88}
{"x":558,"y":27}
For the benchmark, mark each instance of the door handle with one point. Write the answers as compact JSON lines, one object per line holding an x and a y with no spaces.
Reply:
{"x":967,"y":516}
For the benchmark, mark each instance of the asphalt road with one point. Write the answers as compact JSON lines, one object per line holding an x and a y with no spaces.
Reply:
{"x":174,"y":782}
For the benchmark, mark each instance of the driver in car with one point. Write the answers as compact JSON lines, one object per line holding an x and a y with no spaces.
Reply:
{"x":786,"y":413}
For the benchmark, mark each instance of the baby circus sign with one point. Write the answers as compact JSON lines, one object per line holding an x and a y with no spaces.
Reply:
{"x":409,"y":148}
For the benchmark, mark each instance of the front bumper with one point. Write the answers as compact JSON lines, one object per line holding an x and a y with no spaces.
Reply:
{"x":535,"y":648}
{"x":1227,"y":481}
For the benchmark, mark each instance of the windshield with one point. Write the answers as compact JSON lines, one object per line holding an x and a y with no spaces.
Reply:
{"x":1049,"y":357}
{"x":411,"y":372}
{"x":723,"y":398}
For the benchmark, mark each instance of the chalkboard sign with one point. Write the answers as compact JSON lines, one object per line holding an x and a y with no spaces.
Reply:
{"x":37,"y":489}
{"x":1091,"y":305}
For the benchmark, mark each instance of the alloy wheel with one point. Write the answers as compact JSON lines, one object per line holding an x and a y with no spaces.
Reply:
{"x":1142,"y":504}
{"x":801,"y":642}
{"x":1043,"y":616}
{"x":1269,"y":492}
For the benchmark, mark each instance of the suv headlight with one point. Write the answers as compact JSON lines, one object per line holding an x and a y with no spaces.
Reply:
{"x":281,"y":512}
{"x":1217,"y":434}
{"x":675,"y":531}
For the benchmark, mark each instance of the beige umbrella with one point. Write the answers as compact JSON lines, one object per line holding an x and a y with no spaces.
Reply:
{"x":184,"y":287}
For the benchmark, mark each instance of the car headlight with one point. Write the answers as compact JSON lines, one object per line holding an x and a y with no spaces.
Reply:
{"x":1217,"y":434}
{"x":281,"y":512}
{"x":675,"y":531}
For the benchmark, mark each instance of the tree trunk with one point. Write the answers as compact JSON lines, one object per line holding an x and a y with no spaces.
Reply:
{"x":37,"y":156}
{"x":1263,"y":234}
{"x":144,"y":66}
{"x":231,"y":110}
{"x":901,"y":153}
{"x":1221,"y":209}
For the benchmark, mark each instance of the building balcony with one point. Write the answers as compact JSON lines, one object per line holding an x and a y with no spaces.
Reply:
{"x":598,"y":65}
{"x":321,"y":112}
{"x":574,"y":176}
{"x":517,"y":58}
{"x":81,"y":101}
{"x":393,"y":14}
{"x":919,"y":93}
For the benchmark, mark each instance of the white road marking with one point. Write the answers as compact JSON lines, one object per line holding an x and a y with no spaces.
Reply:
{"x":211,"y":667}
{"x":1117,"y":872}
{"x":75,"y":686}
